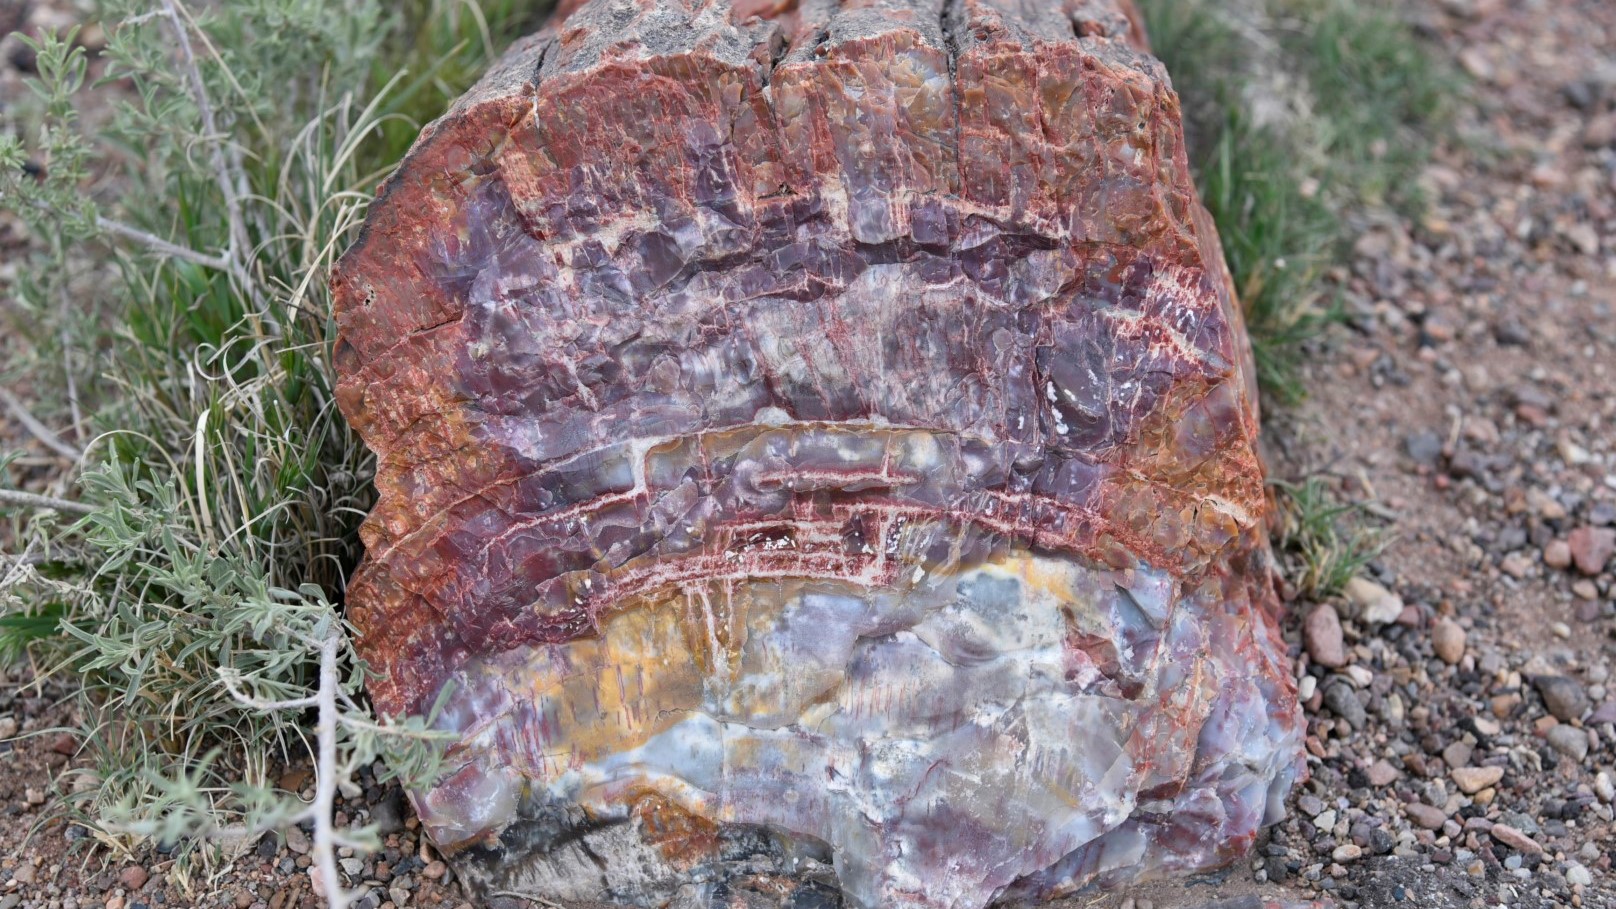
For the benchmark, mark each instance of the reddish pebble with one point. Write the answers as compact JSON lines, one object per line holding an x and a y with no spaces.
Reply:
{"x":1591,"y":548}
{"x":1322,"y":635}
{"x":134,"y":877}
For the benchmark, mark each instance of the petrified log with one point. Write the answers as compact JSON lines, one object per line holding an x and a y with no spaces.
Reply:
{"x":816,"y":444}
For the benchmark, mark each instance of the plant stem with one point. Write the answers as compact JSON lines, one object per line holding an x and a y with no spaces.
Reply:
{"x":30,"y":500}
{"x":39,"y":430}
{"x":325,"y":784}
{"x":231,"y":180}
{"x":159,"y":245}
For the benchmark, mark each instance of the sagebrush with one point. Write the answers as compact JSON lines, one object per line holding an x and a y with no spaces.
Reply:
{"x":194,"y":495}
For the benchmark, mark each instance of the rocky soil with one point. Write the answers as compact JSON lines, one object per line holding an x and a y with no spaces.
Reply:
{"x":1461,"y":706}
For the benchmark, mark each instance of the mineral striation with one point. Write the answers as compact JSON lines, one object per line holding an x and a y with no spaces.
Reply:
{"x":817,"y":462}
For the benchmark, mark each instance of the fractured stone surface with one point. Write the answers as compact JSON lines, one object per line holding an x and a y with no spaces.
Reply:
{"x":816,"y":448}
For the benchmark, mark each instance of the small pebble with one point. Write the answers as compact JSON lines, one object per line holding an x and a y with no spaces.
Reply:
{"x":1425,"y":816}
{"x":1376,"y":605}
{"x":1591,"y":548}
{"x":297,"y":840}
{"x":1562,"y":696}
{"x":134,"y":877}
{"x":1321,"y":633}
{"x":1382,"y":773}
{"x":1448,"y":641}
{"x":1472,"y":780}
{"x":1515,"y":839}
{"x":1569,"y":741}
{"x":1557,"y":554}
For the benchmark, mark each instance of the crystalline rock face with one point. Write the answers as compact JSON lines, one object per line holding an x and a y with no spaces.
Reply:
{"x":817,"y":456}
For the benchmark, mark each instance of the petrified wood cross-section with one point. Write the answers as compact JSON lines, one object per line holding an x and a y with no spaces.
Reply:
{"x":816,"y":444}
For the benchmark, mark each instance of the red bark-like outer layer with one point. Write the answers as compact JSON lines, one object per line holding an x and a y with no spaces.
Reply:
{"x":1074,"y":140}
{"x":564,"y":318}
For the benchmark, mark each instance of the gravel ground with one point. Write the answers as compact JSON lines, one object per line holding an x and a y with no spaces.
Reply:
{"x":1461,"y":706}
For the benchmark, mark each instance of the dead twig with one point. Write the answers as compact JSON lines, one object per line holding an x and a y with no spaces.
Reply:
{"x":37,"y":429}
{"x":162,"y":247}
{"x":526,"y":896}
{"x":30,"y":500}
{"x":326,"y":838}
{"x":224,"y":158}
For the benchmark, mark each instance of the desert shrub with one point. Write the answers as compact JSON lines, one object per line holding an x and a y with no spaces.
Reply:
{"x":187,"y":558}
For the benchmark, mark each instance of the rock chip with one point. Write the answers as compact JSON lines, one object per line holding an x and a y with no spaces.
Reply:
{"x":1472,"y":780}
{"x":1557,"y":554}
{"x":1425,"y":816}
{"x":1322,"y":635}
{"x":1448,"y":641}
{"x":1591,"y":548}
{"x":133,"y":877}
{"x":1515,"y":839}
{"x":1562,"y":696}
{"x":1569,"y":741}
{"x":1343,"y":701}
{"x":1382,"y":773}
{"x":1376,"y":605}
{"x":1424,"y":448}
{"x":387,"y":815}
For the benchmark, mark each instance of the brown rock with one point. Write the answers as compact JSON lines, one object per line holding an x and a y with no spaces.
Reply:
{"x":1321,"y":634}
{"x":1425,"y":816}
{"x":1382,"y":773}
{"x":133,"y":877}
{"x":1448,"y":641}
{"x":1557,"y":554}
{"x":1591,"y":548}
{"x":1375,"y":604}
{"x":1515,"y":839}
{"x":1472,"y":780}
{"x":737,"y":371}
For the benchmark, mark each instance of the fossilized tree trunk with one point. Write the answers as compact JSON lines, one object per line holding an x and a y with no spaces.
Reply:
{"x":816,"y":443}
